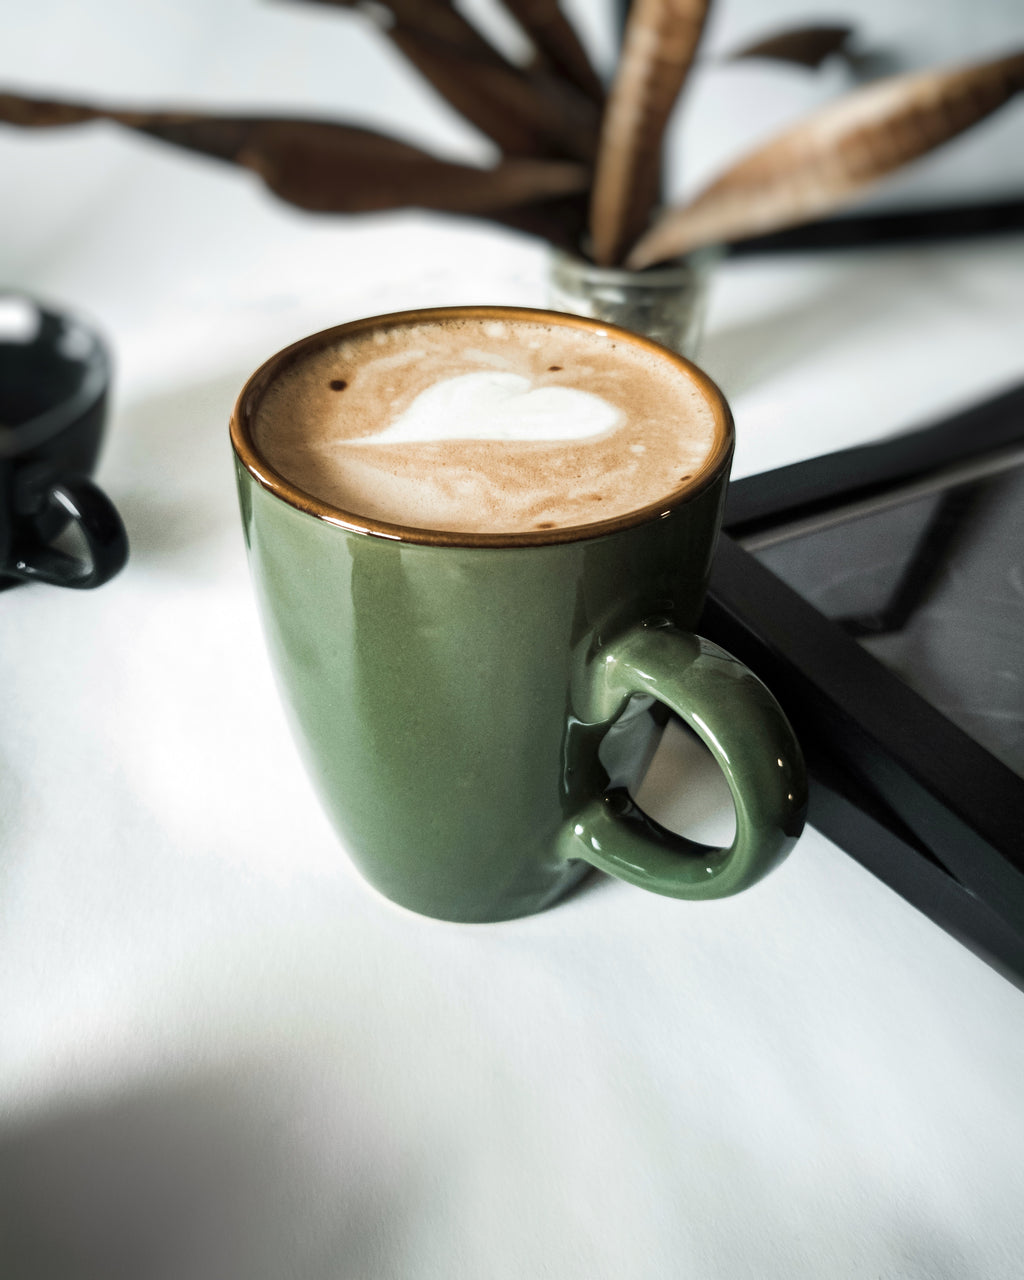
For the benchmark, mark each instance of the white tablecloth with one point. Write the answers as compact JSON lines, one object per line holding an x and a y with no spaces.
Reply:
{"x":222,"y":1056}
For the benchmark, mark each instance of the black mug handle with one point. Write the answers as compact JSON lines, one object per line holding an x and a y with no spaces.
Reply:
{"x":96,"y":516}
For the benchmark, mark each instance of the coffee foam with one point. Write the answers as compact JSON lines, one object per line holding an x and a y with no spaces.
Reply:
{"x":492,"y":405}
{"x":485,"y":425}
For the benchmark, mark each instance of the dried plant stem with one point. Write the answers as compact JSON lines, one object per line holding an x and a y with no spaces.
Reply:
{"x":556,"y":40}
{"x":524,"y":114}
{"x":436,"y":19}
{"x":812,"y":168}
{"x":659,"y":43}
{"x":561,"y":221}
{"x":325,"y":167}
{"x":804,"y":46}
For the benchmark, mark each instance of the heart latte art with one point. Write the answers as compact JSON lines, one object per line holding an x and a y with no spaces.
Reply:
{"x":497,"y":406}
{"x":485,"y":426}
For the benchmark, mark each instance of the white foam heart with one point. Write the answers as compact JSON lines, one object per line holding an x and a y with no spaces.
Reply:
{"x":494,"y":405}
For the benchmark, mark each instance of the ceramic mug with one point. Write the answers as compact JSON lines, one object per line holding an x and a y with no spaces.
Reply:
{"x":54,"y":379}
{"x":473,"y":708}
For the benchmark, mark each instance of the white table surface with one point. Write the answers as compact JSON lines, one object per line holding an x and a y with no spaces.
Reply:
{"x":222,"y":1056}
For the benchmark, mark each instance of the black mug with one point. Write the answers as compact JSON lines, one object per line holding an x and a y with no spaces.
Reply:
{"x":54,"y":378}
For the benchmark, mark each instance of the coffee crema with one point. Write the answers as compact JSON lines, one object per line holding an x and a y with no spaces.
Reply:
{"x":476,"y":424}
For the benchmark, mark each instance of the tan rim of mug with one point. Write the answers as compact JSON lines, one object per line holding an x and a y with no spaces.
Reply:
{"x":249,"y":399}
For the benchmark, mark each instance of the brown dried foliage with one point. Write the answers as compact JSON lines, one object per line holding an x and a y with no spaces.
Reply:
{"x":558,"y":153}
{"x":525,"y":113}
{"x":803,"y":46}
{"x":325,"y":167}
{"x":659,"y":43}
{"x":555,"y":39}
{"x":436,"y":19}
{"x":810,"y":169}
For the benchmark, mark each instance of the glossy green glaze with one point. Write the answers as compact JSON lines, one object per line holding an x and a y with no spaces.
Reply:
{"x":470,"y":714}
{"x":746,"y":732}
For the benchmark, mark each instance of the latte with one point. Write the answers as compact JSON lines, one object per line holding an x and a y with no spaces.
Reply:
{"x":485,"y":424}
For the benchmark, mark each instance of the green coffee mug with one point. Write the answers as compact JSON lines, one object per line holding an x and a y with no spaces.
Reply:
{"x":475,"y":708}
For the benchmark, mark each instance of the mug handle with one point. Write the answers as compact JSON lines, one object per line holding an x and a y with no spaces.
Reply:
{"x":746,"y":731}
{"x":105,"y":537}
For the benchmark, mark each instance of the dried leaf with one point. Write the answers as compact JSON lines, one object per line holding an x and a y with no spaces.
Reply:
{"x":325,"y":173}
{"x":659,"y":43}
{"x":436,"y":19}
{"x":805,"y":46}
{"x":561,"y":221}
{"x":814,"y":167}
{"x":556,"y":40}
{"x":440,"y":20}
{"x":325,"y":167}
{"x":522,"y":113}
{"x":39,"y":113}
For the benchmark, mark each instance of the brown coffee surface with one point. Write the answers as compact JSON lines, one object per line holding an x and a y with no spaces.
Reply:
{"x":310,"y":419}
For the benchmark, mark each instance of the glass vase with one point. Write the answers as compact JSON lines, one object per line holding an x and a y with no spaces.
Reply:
{"x":666,"y":303}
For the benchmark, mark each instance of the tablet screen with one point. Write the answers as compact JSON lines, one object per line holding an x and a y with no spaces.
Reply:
{"x":931,"y":581}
